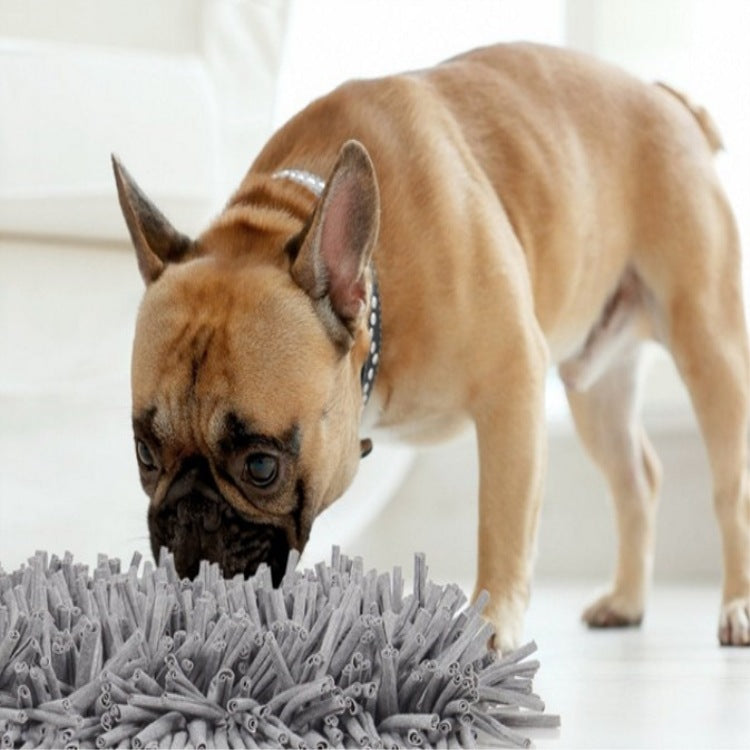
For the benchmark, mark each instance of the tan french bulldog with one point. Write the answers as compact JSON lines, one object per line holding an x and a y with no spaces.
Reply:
{"x":515,"y":207}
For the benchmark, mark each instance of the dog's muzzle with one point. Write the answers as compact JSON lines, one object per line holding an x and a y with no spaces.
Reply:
{"x":195,"y":522}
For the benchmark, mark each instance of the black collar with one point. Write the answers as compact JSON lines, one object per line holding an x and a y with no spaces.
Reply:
{"x":370,"y":367}
{"x":316,"y":185}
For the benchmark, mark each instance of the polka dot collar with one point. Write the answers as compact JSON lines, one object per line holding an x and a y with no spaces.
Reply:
{"x":370,"y":368}
{"x":316,"y":185}
{"x":309,"y":180}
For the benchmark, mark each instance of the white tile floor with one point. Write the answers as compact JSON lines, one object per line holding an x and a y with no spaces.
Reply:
{"x":664,"y":685}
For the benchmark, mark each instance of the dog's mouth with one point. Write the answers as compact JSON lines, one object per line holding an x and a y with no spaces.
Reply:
{"x":196,"y":523}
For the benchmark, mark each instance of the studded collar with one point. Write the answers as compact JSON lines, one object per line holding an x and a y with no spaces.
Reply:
{"x":309,"y":180}
{"x":315,"y":185}
{"x":370,"y":367}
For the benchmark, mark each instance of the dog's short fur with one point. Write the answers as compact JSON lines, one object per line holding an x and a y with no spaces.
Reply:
{"x":522,"y":206}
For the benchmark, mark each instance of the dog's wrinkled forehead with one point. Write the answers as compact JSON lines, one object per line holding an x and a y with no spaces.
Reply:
{"x":208,"y":336}
{"x":230,"y":433}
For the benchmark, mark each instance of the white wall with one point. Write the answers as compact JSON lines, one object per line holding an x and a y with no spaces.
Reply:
{"x":699,"y":46}
{"x":329,"y":41}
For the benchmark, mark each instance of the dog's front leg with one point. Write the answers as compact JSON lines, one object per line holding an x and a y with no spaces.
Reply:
{"x":510,"y":426}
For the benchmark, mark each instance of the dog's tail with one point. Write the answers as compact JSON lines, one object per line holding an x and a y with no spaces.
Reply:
{"x":701,"y":115}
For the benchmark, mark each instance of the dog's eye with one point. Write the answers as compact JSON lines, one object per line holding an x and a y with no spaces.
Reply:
{"x":145,"y":457}
{"x":261,"y":469}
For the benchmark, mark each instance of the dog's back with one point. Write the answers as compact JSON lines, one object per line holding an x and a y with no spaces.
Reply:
{"x":591,"y":165}
{"x":595,"y":168}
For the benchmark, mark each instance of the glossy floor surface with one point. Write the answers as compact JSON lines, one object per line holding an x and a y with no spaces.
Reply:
{"x":664,"y":685}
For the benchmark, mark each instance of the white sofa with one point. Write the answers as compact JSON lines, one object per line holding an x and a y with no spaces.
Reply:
{"x":182,"y":90}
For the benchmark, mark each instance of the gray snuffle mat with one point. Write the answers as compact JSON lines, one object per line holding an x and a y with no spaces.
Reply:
{"x":334,"y":657}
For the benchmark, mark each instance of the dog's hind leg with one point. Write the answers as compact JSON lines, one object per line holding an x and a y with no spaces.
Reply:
{"x":707,"y":336}
{"x":608,"y":423}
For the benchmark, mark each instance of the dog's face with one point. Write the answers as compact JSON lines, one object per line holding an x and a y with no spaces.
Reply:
{"x":245,"y":372}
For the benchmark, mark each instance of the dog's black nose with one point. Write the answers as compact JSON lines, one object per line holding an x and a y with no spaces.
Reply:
{"x":193,"y":478}
{"x":194,"y":495}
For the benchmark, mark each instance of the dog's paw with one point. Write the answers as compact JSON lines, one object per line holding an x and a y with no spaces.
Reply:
{"x":506,"y":639}
{"x":613,"y":610}
{"x":507,"y":619}
{"x":734,"y":622}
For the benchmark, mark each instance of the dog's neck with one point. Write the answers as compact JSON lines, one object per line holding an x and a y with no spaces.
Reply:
{"x":316,"y":185}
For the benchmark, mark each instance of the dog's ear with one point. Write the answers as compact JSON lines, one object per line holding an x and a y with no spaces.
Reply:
{"x":332,"y":258}
{"x":156,"y":241}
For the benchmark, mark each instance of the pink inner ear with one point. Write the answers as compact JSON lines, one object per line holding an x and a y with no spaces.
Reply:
{"x":339,"y":249}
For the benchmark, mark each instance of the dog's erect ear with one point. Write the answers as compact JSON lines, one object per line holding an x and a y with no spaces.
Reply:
{"x":156,"y":241}
{"x":332,"y":260}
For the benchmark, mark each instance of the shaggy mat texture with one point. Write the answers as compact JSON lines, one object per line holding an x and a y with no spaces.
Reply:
{"x":335,"y":656}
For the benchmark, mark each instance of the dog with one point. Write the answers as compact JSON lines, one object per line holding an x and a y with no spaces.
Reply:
{"x":415,"y":252}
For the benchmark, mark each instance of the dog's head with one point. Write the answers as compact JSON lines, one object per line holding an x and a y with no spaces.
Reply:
{"x":246,"y":365}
